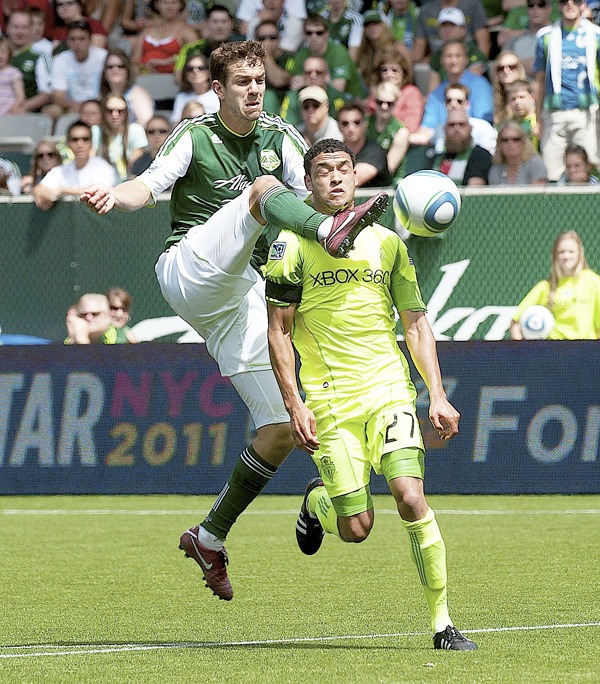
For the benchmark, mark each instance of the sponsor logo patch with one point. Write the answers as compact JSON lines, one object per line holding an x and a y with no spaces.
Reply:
{"x":277,"y":251}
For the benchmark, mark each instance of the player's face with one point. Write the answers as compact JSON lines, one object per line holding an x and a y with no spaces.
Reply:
{"x":242,"y":96}
{"x":567,"y":255}
{"x":332,"y":181}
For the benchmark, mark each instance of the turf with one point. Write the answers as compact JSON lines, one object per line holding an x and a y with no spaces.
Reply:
{"x":94,"y":589}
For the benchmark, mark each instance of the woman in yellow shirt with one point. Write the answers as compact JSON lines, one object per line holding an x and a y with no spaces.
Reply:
{"x":571,"y":293}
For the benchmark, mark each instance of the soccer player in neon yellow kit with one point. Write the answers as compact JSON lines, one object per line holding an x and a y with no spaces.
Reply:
{"x":571,"y":293}
{"x":230,"y":172}
{"x":359,"y":411}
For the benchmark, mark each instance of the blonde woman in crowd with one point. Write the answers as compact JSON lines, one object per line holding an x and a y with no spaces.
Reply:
{"x":507,"y":70}
{"x":515,"y":160}
{"x":45,"y":157}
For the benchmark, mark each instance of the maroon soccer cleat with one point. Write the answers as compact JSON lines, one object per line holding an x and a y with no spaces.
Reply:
{"x":212,"y":563}
{"x":347,"y":224}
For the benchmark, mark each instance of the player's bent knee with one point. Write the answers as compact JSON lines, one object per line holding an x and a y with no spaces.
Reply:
{"x":355,"y":529}
{"x":261,"y":185}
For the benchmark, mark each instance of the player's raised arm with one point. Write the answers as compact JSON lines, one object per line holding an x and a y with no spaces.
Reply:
{"x":129,"y":196}
{"x":421,"y":345}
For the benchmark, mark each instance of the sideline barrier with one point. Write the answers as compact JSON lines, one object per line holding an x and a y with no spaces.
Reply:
{"x":471,"y":278}
{"x":158,"y":418}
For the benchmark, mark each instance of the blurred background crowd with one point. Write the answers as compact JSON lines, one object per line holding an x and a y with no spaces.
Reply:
{"x":498,"y":92}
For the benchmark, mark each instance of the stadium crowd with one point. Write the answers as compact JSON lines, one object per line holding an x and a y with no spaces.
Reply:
{"x":519,"y":79}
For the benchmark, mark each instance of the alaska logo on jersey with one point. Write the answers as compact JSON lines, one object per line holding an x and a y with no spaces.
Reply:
{"x":277,"y":251}
{"x":269,"y":160}
{"x":236,"y":184}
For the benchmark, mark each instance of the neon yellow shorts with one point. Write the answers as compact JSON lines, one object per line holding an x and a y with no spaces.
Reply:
{"x":356,"y":432}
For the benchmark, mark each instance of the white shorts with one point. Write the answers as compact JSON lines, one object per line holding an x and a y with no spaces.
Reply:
{"x":227,"y":309}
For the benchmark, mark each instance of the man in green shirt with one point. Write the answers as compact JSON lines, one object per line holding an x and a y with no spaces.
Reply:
{"x":229,"y":173}
{"x":360,"y":408}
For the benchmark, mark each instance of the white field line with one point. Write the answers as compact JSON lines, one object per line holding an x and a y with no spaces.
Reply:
{"x":150,"y":512}
{"x":89,"y":649}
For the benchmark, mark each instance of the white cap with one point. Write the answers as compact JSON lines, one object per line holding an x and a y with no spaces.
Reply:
{"x":452,"y":15}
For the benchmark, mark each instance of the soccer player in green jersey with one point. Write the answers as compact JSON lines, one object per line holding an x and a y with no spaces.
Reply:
{"x":229,"y":173}
{"x":359,"y":413}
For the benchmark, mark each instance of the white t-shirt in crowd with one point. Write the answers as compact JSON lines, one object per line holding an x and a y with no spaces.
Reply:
{"x":208,"y":100}
{"x":80,"y":80}
{"x":97,"y":170}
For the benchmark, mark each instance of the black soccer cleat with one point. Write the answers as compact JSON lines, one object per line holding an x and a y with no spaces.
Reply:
{"x":452,"y":640}
{"x":309,"y":531}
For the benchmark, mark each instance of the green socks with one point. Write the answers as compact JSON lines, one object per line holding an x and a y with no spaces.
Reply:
{"x":282,"y":208}
{"x":429,"y":555}
{"x":248,"y":478}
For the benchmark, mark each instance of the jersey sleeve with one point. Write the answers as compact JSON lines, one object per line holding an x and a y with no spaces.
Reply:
{"x":43,"y":69}
{"x":537,"y":295}
{"x":171,"y":162}
{"x":283,"y":270}
{"x":404,"y":287}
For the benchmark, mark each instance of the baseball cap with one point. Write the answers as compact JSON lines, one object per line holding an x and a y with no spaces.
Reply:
{"x":315,"y":93}
{"x":452,"y":15}
{"x":372,"y":16}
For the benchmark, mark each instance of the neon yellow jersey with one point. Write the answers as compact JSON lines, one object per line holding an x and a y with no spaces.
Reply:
{"x":576,"y":307}
{"x":344,"y":328}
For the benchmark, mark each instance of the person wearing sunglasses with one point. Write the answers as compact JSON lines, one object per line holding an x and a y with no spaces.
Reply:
{"x":89,"y":322}
{"x":522,"y":41}
{"x":195,"y":87}
{"x":317,"y":43}
{"x":515,"y":161}
{"x":157,"y":131}
{"x":67,"y":12}
{"x":71,"y":178}
{"x":120,"y":303}
{"x":316,"y":124}
{"x":507,"y":70}
{"x":567,"y":56}
{"x":118,"y":77}
{"x":45,"y":157}
{"x":277,"y":64}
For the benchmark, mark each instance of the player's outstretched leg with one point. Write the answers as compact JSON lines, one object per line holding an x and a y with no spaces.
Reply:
{"x":212,"y":563}
{"x":452,"y":640}
{"x":309,"y":531}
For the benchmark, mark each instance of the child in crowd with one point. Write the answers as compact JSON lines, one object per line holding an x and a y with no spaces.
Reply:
{"x":522,"y":105}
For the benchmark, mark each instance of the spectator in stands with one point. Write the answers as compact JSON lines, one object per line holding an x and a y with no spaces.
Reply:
{"x":39,"y":42}
{"x":90,"y":112}
{"x":427,"y":38}
{"x":135,"y":19}
{"x":482,"y":132}
{"x":89,"y":322}
{"x":120,"y":303}
{"x":452,"y":25}
{"x":69,"y":179}
{"x":376,"y":39}
{"x":289,"y":15}
{"x":462,"y":160}
{"x":157,"y":131}
{"x":76,"y":72}
{"x":34,"y":66}
{"x":522,"y":42}
{"x":219,"y":29}
{"x":346,"y":25}
{"x":516,"y":21}
{"x":571,"y":292}
{"x":393,"y":67}
{"x":67,"y":12}
{"x":566,"y":66}
{"x":315,"y":72}
{"x":107,"y":12}
{"x":118,"y":77}
{"x":521,"y":104}
{"x":12,"y":90}
{"x":156,"y":48}
{"x":277,"y":65}
{"x":507,"y":70}
{"x":389,"y":133}
{"x":515,"y":161}
{"x":344,"y":74}
{"x":10,"y":178}
{"x":116,"y":139}
{"x":191,"y":110}
{"x":195,"y":86}
{"x":401,"y":16}
{"x":578,"y":168}
{"x":45,"y":157}
{"x":371,"y":161}
{"x":454,"y":61}
{"x":316,"y":124}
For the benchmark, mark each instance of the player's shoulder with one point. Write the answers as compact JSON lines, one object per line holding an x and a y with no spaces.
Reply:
{"x":273,"y":123}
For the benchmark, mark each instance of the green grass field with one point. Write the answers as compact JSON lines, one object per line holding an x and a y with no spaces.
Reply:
{"x":94,"y":589}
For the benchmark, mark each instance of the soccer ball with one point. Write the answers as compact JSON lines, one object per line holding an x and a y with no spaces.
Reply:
{"x":537,"y":322}
{"x":426,"y":203}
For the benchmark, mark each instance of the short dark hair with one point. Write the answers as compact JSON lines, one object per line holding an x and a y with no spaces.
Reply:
{"x":353,"y":106}
{"x":78,"y":124}
{"x":251,"y":51}
{"x":317,"y":19}
{"x":81,"y":25}
{"x":218,"y":8}
{"x":326,"y":146}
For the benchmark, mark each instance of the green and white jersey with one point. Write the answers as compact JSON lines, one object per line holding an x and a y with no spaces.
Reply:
{"x":36,"y":69}
{"x":344,"y":327}
{"x":211,"y":165}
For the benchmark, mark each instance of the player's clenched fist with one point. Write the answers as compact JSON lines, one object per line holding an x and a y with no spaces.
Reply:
{"x":99,"y":198}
